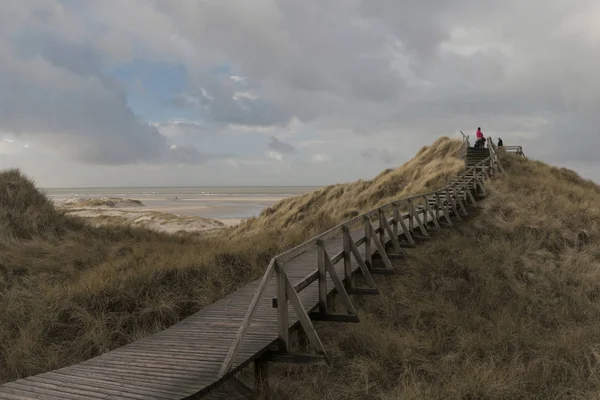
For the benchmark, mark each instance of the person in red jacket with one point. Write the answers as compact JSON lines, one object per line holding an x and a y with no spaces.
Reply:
{"x":480,"y":142}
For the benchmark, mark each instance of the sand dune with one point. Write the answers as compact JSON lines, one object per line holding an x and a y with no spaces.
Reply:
{"x":129,"y":212}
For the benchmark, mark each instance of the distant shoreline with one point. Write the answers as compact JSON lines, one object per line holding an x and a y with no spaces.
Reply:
{"x":226,"y":203}
{"x":103,"y":211}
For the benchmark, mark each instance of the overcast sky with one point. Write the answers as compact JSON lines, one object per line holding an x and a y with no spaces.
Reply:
{"x":288,"y":92}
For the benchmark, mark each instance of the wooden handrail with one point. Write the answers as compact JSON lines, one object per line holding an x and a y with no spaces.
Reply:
{"x":278,"y":262}
{"x":249,"y":314}
{"x":514,"y":149}
{"x":466,"y":144}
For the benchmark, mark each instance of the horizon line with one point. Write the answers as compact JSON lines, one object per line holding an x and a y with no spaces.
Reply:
{"x":166,"y":187}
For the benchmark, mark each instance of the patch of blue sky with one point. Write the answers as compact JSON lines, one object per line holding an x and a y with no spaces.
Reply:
{"x":150,"y":88}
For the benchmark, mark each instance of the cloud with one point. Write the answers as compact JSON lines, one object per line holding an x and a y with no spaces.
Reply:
{"x":373,"y":154}
{"x":320,"y":158}
{"x":279,"y":146}
{"x":275,"y":155}
{"x":53,"y":90}
{"x":370,"y":76}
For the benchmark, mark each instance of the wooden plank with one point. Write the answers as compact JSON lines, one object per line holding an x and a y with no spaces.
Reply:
{"x":96,"y":380}
{"x":108,"y":389}
{"x":15,"y":394}
{"x":85,"y":391}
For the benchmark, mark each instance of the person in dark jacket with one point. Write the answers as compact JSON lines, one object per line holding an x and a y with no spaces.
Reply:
{"x":500,"y":143}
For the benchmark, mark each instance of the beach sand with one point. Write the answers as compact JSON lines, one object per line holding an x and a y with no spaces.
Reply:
{"x":170,"y":219}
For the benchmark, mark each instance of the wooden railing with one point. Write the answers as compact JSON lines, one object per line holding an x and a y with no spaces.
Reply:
{"x":408,"y":214}
{"x":466,"y":144}
{"x":494,"y":154}
{"x":514,"y":149}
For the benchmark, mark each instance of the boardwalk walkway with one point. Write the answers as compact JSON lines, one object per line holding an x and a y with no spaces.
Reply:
{"x":185,"y":360}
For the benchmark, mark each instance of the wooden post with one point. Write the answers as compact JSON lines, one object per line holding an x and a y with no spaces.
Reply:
{"x":230,"y":357}
{"x":304,"y":319}
{"x":322,"y":276}
{"x":470,"y":194}
{"x":381,"y":251}
{"x":347,"y":260}
{"x":362,"y":265}
{"x":480,"y":185}
{"x":411,"y":215}
{"x":396,"y":218}
{"x":429,"y":213}
{"x":283,"y":324}
{"x":345,"y":299}
{"x":444,"y":207}
{"x":368,"y":235}
{"x":386,"y":226}
{"x":460,"y":202}
{"x":452,"y":201}
{"x":382,"y":222}
{"x":405,"y":229}
{"x":261,"y":379}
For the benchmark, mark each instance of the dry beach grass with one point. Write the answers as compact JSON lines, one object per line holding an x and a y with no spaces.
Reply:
{"x":505,"y":305}
{"x":70,"y":291}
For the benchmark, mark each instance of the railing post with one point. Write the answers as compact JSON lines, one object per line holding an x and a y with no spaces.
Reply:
{"x":411,"y":215}
{"x":283,"y":325}
{"x":381,"y":226}
{"x":347,"y":254}
{"x":429,"y":213}
{"x":368,"y":236}
{"x":396,"y":219}
{"x":322,"y":277}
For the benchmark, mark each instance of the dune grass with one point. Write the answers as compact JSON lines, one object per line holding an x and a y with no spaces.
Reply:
{"x":70,"y":291}
{"x":432,"y":168}
{"x":503,"y":306}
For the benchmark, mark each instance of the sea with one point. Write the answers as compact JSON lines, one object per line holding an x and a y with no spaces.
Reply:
{"x":231,"y":202}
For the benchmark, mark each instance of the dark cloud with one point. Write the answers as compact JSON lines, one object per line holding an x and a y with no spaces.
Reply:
{"x":86,"y":116}
{"x":525,"y":71}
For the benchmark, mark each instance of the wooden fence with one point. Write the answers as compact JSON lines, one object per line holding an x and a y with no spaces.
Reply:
{"x":402,"y":216}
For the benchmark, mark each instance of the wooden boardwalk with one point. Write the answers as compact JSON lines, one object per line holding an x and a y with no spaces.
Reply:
{"x":185,"y":360}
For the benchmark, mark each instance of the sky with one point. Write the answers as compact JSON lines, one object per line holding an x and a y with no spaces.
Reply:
{"x":286,"y":92}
